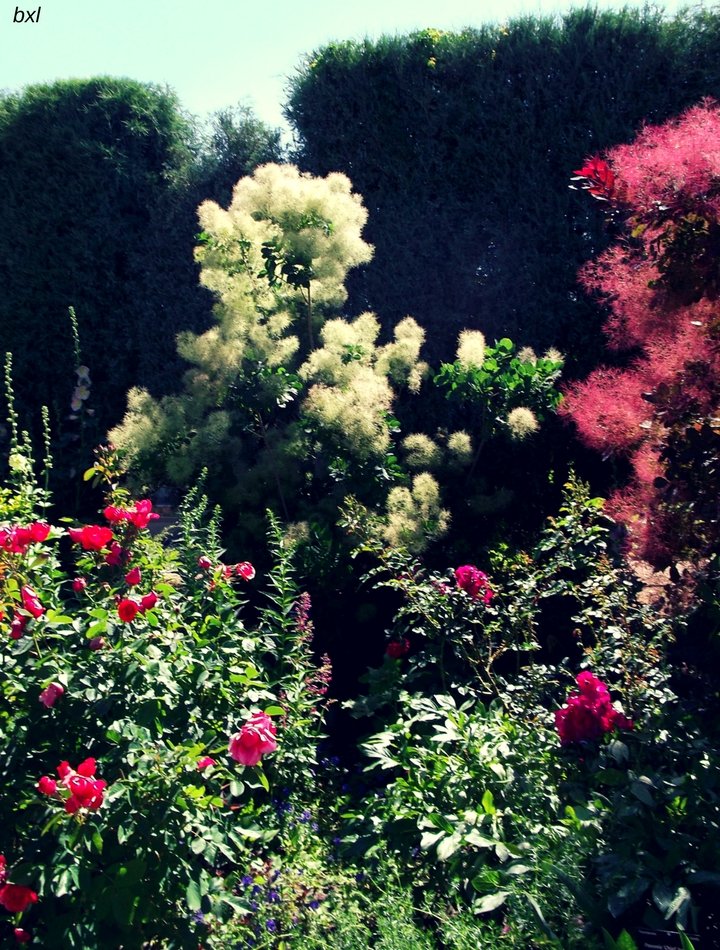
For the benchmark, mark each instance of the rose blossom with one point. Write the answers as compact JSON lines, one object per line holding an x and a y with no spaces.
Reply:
{"x":97,"y":643}
{"x":16,"y":898}
{"x":245,"y":570}
{"x":47,"y":785}
{"x":91,"y":537}
{"x":397,"y":648}
{"x":86,"y":791}
{"x":127,"y":610}
{"x":255,"y":739}
{"x":50,"y":694}
{"x":148,"y":601}
{"x":473,"y":581}
{"x":133,"y":577}
{"x":589,"y":714}
{"x":205,"y":763}
{"x":204,"y":563}
{"x":31,"y":602}
{"x":17,"y":626}
{"x":22,"y":936}
{"x":116,"y":555}
{"x":79,"y":584}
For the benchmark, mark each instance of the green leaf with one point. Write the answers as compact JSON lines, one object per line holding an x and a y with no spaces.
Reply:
{"x":488,"y":803}
{"x":448,"y":846}
{"x":193,"y":897}
{"x":263,"y":779}
{"x":198,"y":845}
{"x":274,"y":711}
{"x":490,"y":902}
{"x":685,"y":941}
{"x":540,"y":918}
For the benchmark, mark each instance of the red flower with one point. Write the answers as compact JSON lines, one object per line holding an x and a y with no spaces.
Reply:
{"x":50,"y":694}
{"x":85,"y":790}
{"x":397,"y":648}
{"x":31,"y":602}
{"x":142,"y":514}
{"x":128,"y":610}
{"x":245,"y":570}
{"x":473,"y":581}
{"x":47,"y":785}
{"x":97,"y":643}
{"x":116,"y":555}
{"x":205,"y":763}
{"x":115,"y":515}
{"x":599,"y":178}
{"x":91,"y":537}
{"x":17,"y":626}
{"x":17,"y":539}
{"x":22,"y":936}
{"x":255,"y":739}
{"x":133,"y":577}
{"x":588,"y":714}
{"x":3,"y":869}
{"x":148,"y":601}
{"x":16,"y":898}
{"x":79,"y":584}
{"x":205,"y":563}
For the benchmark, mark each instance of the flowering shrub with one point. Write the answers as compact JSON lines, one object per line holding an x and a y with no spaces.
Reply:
{"x":137,"y":661}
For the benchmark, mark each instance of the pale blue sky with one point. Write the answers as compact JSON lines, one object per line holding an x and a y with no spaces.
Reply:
{"x":215,"y":53}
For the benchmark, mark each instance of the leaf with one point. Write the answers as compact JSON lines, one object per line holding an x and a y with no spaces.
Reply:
{"x":623,"y":942}
{"x":685,"y":941}
{"x":540,"y":918}
{"x":448,"y":846}
{"x":274,"y":711}
{"x":488,"y":802}
{"x":430,"y":838}
{"x":490,"y":902}
{"x":198,"y":845}
{"x":193,"y":897}
{"x":642,"y":792}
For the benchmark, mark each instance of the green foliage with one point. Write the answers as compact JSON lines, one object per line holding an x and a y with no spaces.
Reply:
{"x":462,"y":143}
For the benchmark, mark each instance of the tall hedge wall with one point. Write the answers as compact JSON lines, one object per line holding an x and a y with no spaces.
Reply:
{"x":101,"y":182}
{"x":463,"y":145}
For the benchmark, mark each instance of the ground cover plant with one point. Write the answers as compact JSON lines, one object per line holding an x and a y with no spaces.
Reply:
{"x":539,"y":753}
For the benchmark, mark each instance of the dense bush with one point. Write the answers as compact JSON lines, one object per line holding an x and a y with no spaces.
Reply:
{"x":461,"y":145}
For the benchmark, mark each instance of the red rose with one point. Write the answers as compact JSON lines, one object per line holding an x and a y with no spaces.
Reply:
{"x":128,"y":610}
{"x":17,"y":626}
{"x":47,"y":785}
{"x":205,"y":763}
{"x":133,"y":577}
{"x":142,"y":514}
{"x":31,"y":602}
{"x":255,"y":739}
{"x":50,"y":694}
{"x":3,"y":869}
{"x":397,"y":648}
{"x":79,"y":584}
{"x":116,"y":555}
{"x":16,"y":898}
{"x":91,"y":537}
{"x":205,"y":563}
{"x":115,"y":515}
{"x":148,"y":601}
{"x":22,"y":936}
{"x":588,"y":714}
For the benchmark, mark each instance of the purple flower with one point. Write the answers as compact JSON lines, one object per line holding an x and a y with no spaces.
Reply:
{"x":271,"y":926}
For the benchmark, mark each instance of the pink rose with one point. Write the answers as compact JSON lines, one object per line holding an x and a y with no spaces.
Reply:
{"x":17,"y":626}
{"x":31,"y":602}
{"x":142,"y":514}
{"x":50,"y":694}
{"x":205,"y":763}
{"x":204,"y":563}
{"x":255,"y":739}
{"x":589,"y":714}
{"x":245,"y":570}
{"x":116,"y":555}
{"x":473,"y":581}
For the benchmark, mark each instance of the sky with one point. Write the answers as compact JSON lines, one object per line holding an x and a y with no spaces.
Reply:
{"x":217,"y":53}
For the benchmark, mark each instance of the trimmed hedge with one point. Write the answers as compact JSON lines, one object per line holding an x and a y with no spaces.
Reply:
{"x":463,"y":145}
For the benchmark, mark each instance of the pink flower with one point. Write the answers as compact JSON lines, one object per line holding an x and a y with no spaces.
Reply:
{"x":589,"y":714}
{"x":31,"y":602}
{"x":205,"y":563}
{"x":16,"y":898}
{"x":205,"y":763}
{"x":79,"y":584}
{"x":398,"y":648}
{"x":133,"y":577}
{"x":86,"y":791}
{"x":128,"y":610}
{"x":245,"y":570}
{"x":17,"y":626}
{"x":473,"y":581}
{"x":50,"y":694}
{"x":47,"y":785}
{"x":116,"y":555}
{"x":148,"y":601}
{"x":91,"y":537}
{"x":115,"y":515}
{"x":255,"y":739}
{"x":17,"y":539}
{"x":143,"y":514}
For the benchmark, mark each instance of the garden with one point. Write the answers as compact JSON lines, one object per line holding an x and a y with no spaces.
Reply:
{"x":322,"y":623}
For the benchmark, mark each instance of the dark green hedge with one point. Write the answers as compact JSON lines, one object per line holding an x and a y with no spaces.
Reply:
{"x":463,"y":146}
{"x":101,"y":181}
